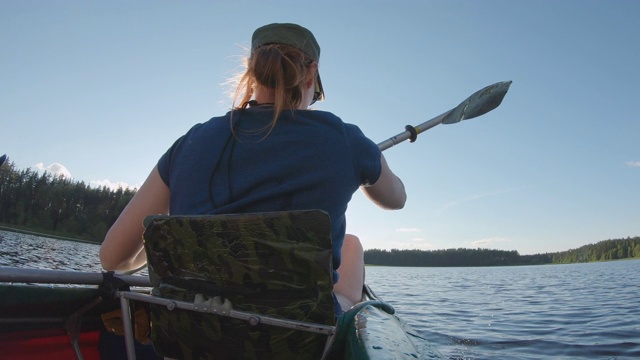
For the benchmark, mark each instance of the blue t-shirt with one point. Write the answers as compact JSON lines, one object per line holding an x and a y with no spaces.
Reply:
{"x":310,"y":160}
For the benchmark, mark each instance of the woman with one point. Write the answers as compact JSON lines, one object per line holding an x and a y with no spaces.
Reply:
{"x":270,"y":153}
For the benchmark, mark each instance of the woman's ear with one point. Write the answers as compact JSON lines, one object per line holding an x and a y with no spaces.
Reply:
{"x":311,"y":74}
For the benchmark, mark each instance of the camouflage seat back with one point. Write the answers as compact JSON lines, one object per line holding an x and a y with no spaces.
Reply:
{"x":276,"y":264}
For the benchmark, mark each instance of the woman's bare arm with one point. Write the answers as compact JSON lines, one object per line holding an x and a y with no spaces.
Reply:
{"x":122,"y":248}
{"x":388,"y":192}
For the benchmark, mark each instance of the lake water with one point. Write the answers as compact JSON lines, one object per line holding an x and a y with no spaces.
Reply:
{"x":576,"y":311}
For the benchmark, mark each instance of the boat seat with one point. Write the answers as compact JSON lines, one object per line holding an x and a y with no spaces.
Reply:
{"x":276,"y":265}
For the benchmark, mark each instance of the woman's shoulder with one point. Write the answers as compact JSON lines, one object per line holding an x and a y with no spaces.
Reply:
{"x":333,"y":119}
{"x":329,"y":117}
{"x":212,"y":123}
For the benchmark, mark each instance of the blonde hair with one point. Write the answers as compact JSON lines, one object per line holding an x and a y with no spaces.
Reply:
{"x":280,"y":67}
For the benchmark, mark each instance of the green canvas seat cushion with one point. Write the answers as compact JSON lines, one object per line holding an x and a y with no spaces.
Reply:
{"x":276,"y":264}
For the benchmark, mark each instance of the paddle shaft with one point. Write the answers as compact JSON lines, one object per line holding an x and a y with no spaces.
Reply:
{"x":406,"y":135}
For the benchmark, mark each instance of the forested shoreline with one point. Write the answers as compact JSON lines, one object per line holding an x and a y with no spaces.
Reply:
{"x":53,"y":205}
{"x":613,"y":249}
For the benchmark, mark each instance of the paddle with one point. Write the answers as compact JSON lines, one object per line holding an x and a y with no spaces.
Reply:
{"x":480,"y":103}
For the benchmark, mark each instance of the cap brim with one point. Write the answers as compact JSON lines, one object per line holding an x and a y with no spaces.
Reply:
{"x":318,"y":87}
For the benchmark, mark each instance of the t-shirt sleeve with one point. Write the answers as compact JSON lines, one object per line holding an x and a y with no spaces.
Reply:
{"x":164,"y":164}
{"x":166,"y":161}
{"x":365,"y":154}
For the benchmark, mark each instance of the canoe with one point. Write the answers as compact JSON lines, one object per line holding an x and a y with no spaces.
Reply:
{"x":43,"y":320}
{"x":53,"y":314}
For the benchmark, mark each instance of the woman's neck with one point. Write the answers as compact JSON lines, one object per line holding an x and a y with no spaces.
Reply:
{"x":263,"y":95}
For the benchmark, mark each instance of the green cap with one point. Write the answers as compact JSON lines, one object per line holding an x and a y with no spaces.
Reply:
{"x":292,"y":35}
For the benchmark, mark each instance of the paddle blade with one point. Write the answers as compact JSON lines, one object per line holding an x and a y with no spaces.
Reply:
{"x":480,"y":103}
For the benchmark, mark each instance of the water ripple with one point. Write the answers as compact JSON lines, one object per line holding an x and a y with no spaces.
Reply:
{"x":531,"y":312}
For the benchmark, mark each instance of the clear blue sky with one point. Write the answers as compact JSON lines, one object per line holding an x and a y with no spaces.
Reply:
{"x":103,"y":88}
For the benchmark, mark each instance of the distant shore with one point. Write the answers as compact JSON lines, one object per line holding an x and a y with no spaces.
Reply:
{"x":28,"y":232}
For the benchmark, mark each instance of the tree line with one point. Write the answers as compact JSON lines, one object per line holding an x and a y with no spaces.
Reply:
{"x":601,"y":251}
{"x":56,"y":205}
{"x":612,"y":249}
{"x":450,"y":257}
